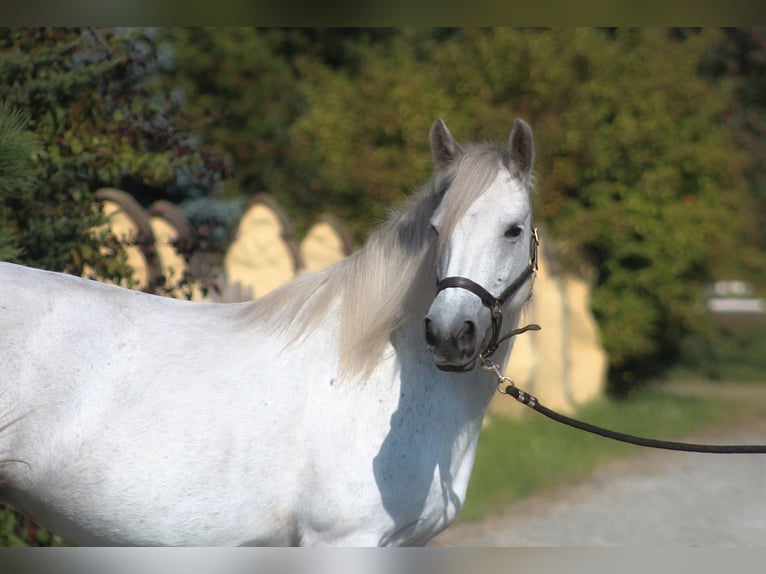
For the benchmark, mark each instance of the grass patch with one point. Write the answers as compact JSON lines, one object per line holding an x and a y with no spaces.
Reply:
{"x":516,"y":458}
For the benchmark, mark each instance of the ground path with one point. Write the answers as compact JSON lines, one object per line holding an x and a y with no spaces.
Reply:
{"x":654,"y":498}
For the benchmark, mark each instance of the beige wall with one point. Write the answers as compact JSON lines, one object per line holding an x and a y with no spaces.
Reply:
{"x":260,"y":259}
{"x":564,"y":364}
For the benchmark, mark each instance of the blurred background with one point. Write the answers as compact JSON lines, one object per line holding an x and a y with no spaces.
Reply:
{"x":650,"y":169}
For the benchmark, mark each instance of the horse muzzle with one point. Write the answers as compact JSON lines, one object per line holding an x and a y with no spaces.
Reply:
{"x":454,"y":346}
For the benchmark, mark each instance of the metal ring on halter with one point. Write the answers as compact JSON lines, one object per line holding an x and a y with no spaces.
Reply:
{"x":505,"y":379}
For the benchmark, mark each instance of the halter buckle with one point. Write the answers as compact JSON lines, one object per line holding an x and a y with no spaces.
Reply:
{"x":534,"y":245}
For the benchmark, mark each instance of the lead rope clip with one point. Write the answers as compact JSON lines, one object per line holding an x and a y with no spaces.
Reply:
{"x":502,"y":379}
{"x":506,"y":385}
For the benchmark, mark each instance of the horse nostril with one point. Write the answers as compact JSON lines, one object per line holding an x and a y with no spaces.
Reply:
{"x":430,"y":338}
{"x":466,"y":338}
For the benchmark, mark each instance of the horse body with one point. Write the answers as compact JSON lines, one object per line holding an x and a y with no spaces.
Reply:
{"x":174,"y":440}
{"x":124,"y":404}
{"x":135,"y":419}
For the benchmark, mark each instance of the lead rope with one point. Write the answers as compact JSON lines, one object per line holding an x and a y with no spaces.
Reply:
{"x":506,"y":386}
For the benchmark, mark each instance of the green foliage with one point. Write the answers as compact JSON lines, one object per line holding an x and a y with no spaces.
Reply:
{"x":736,"y":352}
{"x":17,"y":147}
{"x":656,"y":199}
{"x":740,"y":59}
{"x":238,"y":91}
{"x":366,"y":158}
{"x":17,"y":530}
{"x":101,"y":121}
{"x":246,"y":87}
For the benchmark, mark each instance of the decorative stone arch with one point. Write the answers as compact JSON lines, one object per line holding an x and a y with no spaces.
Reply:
{"x":326,"y":242}
{"x":264,"y":254}
{"x":130,"y":224}
{"x":174,"y":240}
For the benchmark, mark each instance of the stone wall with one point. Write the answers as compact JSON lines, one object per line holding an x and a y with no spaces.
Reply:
{"x":564,"y":364}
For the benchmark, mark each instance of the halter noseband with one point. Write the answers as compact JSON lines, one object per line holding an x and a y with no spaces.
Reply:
{"x":495,"y":304}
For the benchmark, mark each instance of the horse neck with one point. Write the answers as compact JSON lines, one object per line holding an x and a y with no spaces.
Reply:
{"x":460,"y":398}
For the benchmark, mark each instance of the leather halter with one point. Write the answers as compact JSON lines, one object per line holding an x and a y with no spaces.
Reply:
{"x":495,"y":304}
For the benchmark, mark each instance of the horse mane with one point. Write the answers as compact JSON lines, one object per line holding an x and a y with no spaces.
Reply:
{"x":378,"y":286}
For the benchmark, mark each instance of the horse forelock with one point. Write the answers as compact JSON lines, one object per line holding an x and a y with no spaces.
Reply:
{"x":375,"y":288}
{"x":474,"y":172}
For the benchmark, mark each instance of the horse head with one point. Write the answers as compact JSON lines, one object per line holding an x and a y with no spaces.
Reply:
{"x":486,"y":244}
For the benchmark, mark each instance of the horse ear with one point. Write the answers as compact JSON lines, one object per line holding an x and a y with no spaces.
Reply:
{"x":444,"y":147}
{"x":521,"y":146}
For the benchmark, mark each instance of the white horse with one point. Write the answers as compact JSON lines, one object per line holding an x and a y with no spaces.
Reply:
{"x":326,"y":413}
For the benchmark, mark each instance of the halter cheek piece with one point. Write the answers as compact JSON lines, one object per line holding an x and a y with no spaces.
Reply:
{"x":495,"y":304}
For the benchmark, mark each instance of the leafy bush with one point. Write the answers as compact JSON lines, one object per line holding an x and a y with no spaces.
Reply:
{"x":101,"y":121}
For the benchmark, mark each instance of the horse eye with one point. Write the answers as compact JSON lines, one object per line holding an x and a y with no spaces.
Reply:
{"x":513,"y":231}
{"x":433,"y":228}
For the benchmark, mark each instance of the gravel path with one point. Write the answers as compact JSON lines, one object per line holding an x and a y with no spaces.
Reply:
{"x":654,"y":498}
